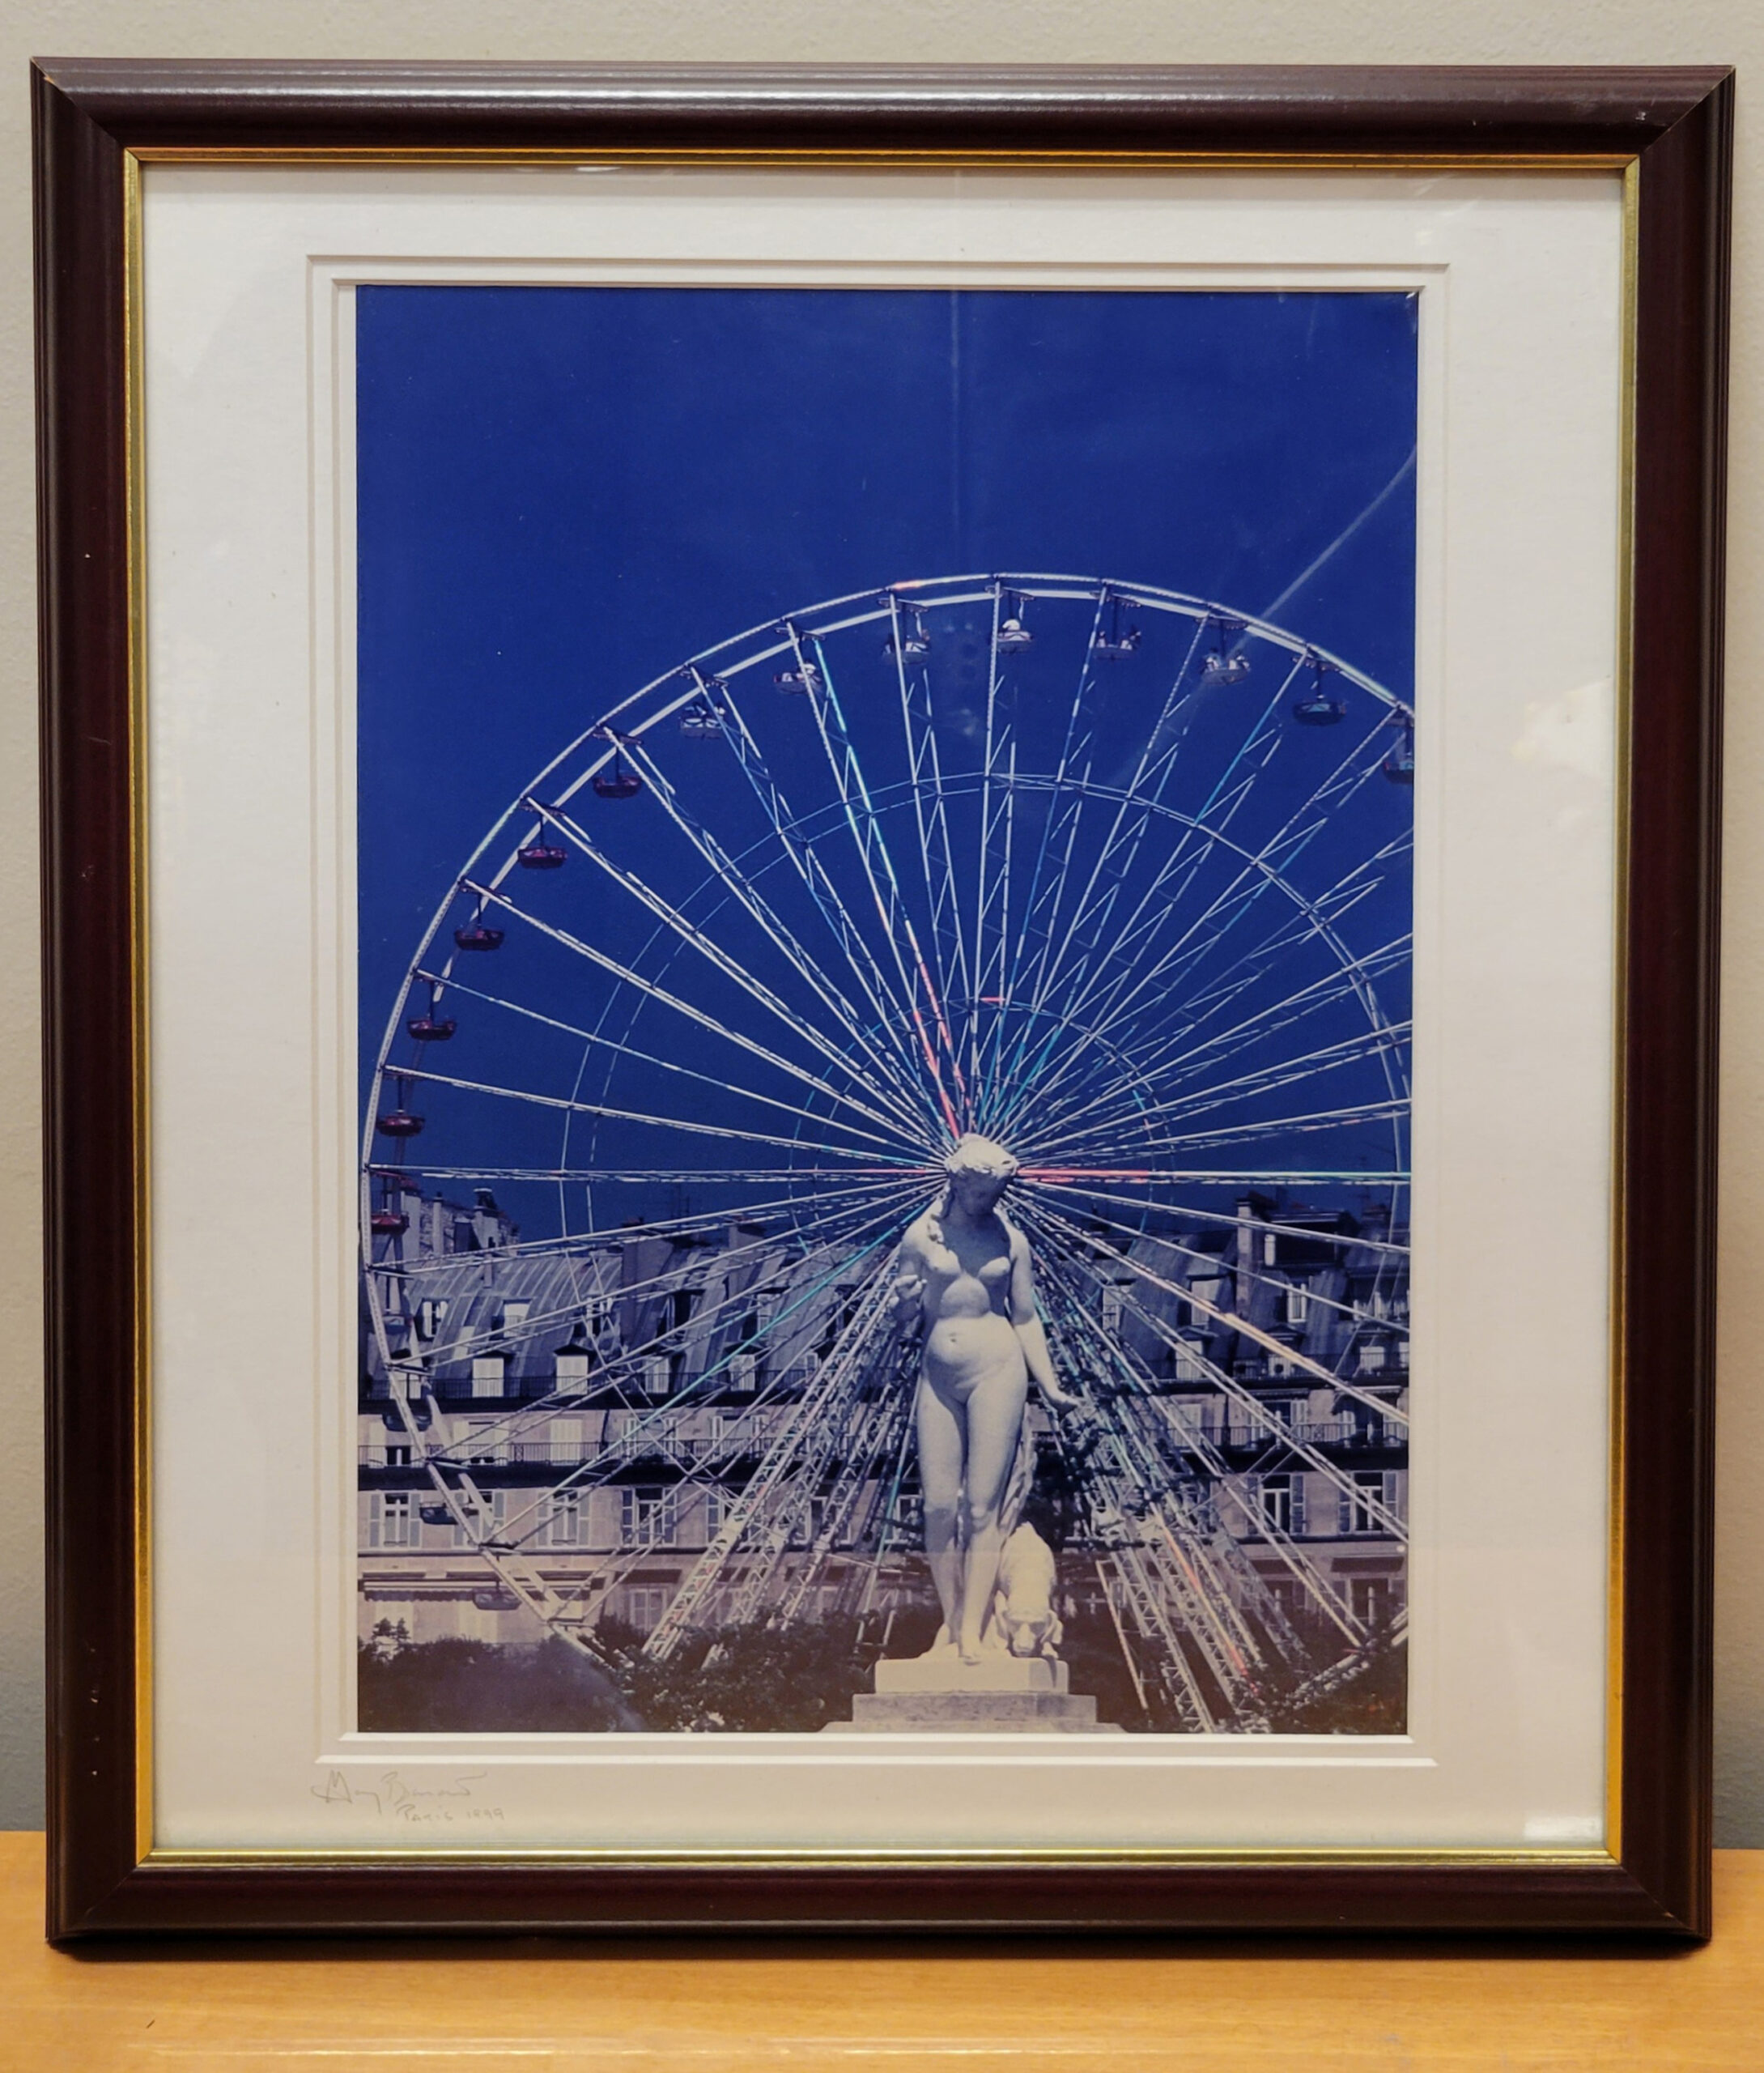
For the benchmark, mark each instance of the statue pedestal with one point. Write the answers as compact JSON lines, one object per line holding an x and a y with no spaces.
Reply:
{"x":1001,"y":1695}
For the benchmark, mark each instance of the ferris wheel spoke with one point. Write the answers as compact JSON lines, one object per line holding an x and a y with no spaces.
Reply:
{"x":912,"y":969}
{"x":1281,"y":1284}
{"x":1071,"y":969}
{"x":1286,"y":843}
{"x":1087,"y":1190}
{"x":897,"y":1086}
{"x":696,"y":938}
{"x":607,"y":1114}
{"x":1164,"y":1049}
{"x":1175,"y":1055}
{"x":1258,"y":876}
{"x":1075,"y":1249}
{"x":646,"y":1418}
{"x":723,"y":1083}
{"x":627,"y":1358}
{"x":984,"y":898}
{"x":1307,"y":1124}
{"x":1167,"y":892}
{"x":1101,"y":1145}
{"x":1179,"y":963}
{"x":693,"y":1175}
{"x":663,"y":996}
{"x":1118,"y":855}
{"x":1074,"y":1242}
{"x":1314,"y":918}
{"x":854,"y":944}
{"x":1305,"y":1067}
{"x":925,"y":779}
{"x":1039,"y":912}
{"x":1255,"y":871}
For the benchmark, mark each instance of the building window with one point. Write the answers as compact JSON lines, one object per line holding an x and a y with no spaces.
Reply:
{"x":1358,"y":1514}
{"x":563,"y":1440}
{"x":515,"y":1313}
{"x":1270,"y":1248}
{"x":1279,"y":1364}
{"x":1287,"y":1596}
{"x":1283,"y":1503}
{"x":481,"y":1439}
{"x":1209,"y":1291}
{"x":487,"y":1515}
{"x":648,"y":1516}
{"x":1368,"y":1598}
{"x":397,"y":1453}
{"x":645,"y":1605}
{"x":716,"y":1513}
{"x":656,"y":1370}
{"x":488,"y":1370}
{"x":1372,"y":1358}
{"x":572,"y":1369}
{"x":564,"y":1519}
{"x":1190,"y":1360}
{"x":392,"y":1519}
{"x":1297,"y":1305}
{"x":1112,"y":1309}
{"x":741,"y":1371}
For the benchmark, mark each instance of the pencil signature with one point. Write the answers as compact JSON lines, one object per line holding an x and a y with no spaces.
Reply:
{"x":393,"y":1795}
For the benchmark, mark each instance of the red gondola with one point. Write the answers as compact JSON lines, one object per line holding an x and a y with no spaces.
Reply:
{"x":478,"y":935}
{"x":1399,"y":766}
{"x":1319,"y":709}
{"x":430,"y":1029}
{"x":399,"y":1122}
{"x":617,"y":783}
{"x":541,"y":857}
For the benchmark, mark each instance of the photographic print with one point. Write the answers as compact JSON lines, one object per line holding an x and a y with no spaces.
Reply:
{"x":885,"y":915}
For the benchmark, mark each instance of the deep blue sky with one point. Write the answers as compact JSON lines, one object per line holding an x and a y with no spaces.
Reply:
{"x":562,"y":492}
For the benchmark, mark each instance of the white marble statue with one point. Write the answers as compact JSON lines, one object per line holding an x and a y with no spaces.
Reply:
{"x":965,"y":1278}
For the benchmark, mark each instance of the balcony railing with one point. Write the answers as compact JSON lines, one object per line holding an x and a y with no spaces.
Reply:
{"x":1330,"y":1433}
{"x":656,"y":1444}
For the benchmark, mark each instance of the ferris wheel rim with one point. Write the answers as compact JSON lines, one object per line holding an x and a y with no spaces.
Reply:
{"x":882,"y":604}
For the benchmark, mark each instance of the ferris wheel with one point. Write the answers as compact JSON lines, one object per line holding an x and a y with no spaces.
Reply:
{"x":1113,"y":874}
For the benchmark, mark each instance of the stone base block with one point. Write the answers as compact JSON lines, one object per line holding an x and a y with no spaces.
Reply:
{"x":946,"y":1672}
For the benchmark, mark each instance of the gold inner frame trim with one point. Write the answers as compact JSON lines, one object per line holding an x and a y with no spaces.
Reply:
{"x":1622,"y":744}
{"x":135,"y":524}
{"x":562,"y":158}
{"x":1100,"y":1857}
{"x":914,"y":159}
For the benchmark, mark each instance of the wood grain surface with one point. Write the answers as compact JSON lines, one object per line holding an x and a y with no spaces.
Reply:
{"x":552,"y":2006}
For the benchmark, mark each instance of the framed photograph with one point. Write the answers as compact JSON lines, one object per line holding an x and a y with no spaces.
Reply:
{"x":881,"y":985}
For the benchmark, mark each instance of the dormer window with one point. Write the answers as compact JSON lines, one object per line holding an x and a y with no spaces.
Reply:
{"x":572,"y":1366}
{"x":515,"y":1315}
{"x":489,"y":1373}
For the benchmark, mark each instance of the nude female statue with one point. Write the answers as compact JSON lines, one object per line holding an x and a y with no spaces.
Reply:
{"x":964,"y":1276}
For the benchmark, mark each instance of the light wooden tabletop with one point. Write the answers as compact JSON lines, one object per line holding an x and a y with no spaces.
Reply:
{"x":532,"y":2006}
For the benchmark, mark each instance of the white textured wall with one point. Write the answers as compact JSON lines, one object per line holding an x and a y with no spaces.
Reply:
{"x":1038,"y":31}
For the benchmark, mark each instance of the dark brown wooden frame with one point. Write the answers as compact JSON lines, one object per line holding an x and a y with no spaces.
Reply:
{"x":1673,"y":127}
